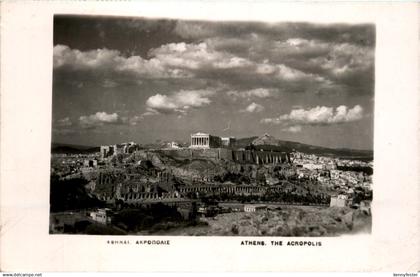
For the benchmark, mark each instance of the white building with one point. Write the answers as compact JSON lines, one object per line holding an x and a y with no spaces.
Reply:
{"x":205,"y":141}
{"x":313,"y":166}
{"x":173,"y":145}
{"x":254,"y":208}
{"x":101,"y":216}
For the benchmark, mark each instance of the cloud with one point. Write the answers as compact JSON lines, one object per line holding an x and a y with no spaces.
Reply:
{"x":253,"y":93}
{"x":110,"y":61}
{"x":184,"y":60}
{"x":134,"y":120}
{"x":283,"y":72}
{"x":333,"y":60}
{"x":98,"y":119}
{"x":322,"y":65}
{"x":196,"y":56}
{"x":362,"y":34}
{"x":293,"y":129}
{"x":345,"y":58}
{"x":297,"y":41}
{"x":253,"y":108}
{"x":102,"y":118}
{"x":107,"y":83}
{"x":63,"y":131}
{"x":204,"y":57}
{"x":63,"y":126}
{"x":179,"y":102}
{"x":188,"y":29}
{"x":293,"y":57}
{"x":64,"y":122}
{"x":319,"y":115}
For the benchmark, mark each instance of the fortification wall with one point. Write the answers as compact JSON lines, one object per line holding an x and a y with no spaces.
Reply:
{"x":212,"y":153}
{"x":225,"y":154}
{"x":240,"y":156}
{"x":177,"y":153}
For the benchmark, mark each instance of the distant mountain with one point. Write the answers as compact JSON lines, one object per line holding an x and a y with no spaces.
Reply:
{"x":61,"y":148}
{"x":243,"y":142}
{"x":266,"y":142}
{"x":265,"y":139}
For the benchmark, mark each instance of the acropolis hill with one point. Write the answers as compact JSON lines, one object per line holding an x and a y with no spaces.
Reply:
{"x":209,"y":177}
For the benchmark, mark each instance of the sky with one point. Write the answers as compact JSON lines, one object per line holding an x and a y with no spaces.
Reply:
{"x":118,"y":79}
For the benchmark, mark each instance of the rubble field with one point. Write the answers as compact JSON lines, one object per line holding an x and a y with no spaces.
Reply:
{"x":285,"y":221}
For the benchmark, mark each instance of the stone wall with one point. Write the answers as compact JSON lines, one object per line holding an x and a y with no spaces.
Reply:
{"x":240,"y":156}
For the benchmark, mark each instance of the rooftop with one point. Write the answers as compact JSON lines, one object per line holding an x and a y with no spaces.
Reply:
{"x":200,"y":134}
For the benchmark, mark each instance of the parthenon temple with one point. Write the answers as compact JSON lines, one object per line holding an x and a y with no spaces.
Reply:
{"x":205,"y":141}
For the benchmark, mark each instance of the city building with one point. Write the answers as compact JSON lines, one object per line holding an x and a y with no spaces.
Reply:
{"x":339,"y":201}
{"x":90,"y":163}
{"x":108,"y":150}
{"x":335,"y":174}
{"x":101,"y":216}
{"x":173,"y":145}
{"x":104,"y":151}
{"x":365,"y":206}
{"x":114,"y":149}
{"x":205,"y":141}
{"x":126,"y":147}
{"x":228,"y":141}
{"x":313,"y":166}
{"x":254,"y":208}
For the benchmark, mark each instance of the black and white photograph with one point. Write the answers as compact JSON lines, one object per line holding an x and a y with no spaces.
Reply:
{"x":192,"y":137}
{"x":173,"y":127}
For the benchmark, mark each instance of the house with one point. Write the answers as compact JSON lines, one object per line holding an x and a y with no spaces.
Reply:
{"x":101,"y":216}
{"x":339,"y":201}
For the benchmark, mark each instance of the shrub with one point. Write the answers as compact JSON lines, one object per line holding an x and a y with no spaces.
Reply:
{"x":234,"y":229}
